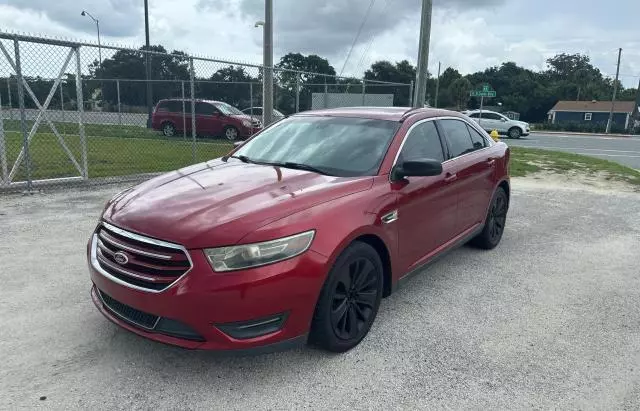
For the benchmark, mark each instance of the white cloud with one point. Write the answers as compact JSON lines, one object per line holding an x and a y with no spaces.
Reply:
{"x":466,"y":39}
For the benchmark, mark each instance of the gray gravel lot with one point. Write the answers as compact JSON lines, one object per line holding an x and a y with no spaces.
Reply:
{"x":550,"y":319}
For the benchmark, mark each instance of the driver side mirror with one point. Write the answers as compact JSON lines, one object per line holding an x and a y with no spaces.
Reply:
{"x":416,"y":168}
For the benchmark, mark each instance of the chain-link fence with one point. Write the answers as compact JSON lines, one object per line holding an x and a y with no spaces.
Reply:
{"x":71,"y":111}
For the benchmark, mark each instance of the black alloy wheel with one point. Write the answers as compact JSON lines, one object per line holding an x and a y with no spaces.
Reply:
{"x":495,"y":222}
{"x":349,"y":299}
{"x":354,"y":298}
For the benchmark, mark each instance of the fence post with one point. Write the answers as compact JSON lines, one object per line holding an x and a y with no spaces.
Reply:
{"x":364,"y":85}
{"x":193,"y":107}
{"x":3,"y":148}
{"x":297,"y":92}
{"x":119,"y":105}
{"x":411,"y":93}
{"x":23,"y":114}
{"x":184,"y":115}
{"x":9,"y":95}
{"x":326,"y":93}
{"x":251,"y":100}
{"x":62,"y":102}
{"x":79,"y":97}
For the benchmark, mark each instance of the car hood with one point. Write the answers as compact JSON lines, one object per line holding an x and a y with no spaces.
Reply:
{"x":218,"y":203}
{"x":243,"y":116}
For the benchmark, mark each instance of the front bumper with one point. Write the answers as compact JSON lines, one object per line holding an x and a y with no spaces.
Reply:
{"x":206,"y":303}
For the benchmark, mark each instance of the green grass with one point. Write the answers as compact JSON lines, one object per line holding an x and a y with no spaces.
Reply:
{"x":529,"y":160}
{"x":102,"y":130}
{"x":109,"y":156}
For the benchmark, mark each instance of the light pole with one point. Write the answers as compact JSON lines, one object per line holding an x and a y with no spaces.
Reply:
{"x":86,"y":13}
{"x":267,"y":76}
{"x":148,"y":64}
{"x":423,"y":54}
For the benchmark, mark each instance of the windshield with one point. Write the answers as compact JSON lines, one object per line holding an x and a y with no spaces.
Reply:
{"x":227,"y":109}
{"x":339,"y":146}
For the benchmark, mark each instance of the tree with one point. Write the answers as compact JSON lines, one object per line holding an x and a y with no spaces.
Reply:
{"x":128,"y":65}
{"x":316,"y":73}
{"x":402,"y":72}
{"x":460,"y":90}
{"x":231,"y":84}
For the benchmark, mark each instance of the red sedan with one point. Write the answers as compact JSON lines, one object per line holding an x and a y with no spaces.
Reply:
{"x":299,"y":232}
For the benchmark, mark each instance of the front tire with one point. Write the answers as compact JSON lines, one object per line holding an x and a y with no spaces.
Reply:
{"x":515,"y":132}
{"x":231,"y":133}
{"x":349,"y":299}
{"x":494,"y":224}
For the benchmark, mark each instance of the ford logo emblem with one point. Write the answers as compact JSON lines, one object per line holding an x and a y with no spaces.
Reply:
{"x":121,"y":258}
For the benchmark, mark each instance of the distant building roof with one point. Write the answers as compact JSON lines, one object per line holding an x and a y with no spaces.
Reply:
{"x":594,"y":106}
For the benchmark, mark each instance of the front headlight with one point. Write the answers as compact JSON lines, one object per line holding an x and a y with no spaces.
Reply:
{"x":246,"y":123}
{"x":239,"y":257}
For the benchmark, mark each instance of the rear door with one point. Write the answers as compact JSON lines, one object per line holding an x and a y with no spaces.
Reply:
{"x":473,"y":171}
{"x":426,"y":216}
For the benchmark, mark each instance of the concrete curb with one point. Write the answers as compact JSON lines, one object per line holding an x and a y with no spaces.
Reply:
{"x":573,"y":133}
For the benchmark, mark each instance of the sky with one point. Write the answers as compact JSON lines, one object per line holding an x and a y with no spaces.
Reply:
{"x":468,"y":35}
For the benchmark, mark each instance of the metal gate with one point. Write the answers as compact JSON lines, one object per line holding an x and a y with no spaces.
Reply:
{"x":29,"y":127}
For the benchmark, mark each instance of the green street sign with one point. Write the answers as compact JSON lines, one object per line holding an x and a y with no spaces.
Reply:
{"x":486,"y":91}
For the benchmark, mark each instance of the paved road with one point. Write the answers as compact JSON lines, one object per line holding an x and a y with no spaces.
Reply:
{"x":90,"y":117}
{"x":548,"y":320}
{"x":623,"y":150}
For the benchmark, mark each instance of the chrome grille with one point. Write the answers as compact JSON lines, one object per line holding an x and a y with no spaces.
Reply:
{"x":138,"y":261}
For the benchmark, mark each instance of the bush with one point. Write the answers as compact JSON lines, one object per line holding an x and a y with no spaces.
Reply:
{"x":581,"y":127}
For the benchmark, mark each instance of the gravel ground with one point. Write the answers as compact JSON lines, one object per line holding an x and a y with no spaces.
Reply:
{"x":550,"y":319}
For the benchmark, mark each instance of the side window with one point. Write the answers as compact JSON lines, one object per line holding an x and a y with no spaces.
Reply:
{"x":474,"y":115}
{"x":493,"y":116}
{"x":205,"y":109}
{"x":163,"y":106}
{"x":257,"y":111}
{"x":458,"y":137}
{"x":174,"y":106}
{"x":422,"y":142}
{"x":477,"y":139}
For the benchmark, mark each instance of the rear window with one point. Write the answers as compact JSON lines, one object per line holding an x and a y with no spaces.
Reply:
{"x":171,"y":106}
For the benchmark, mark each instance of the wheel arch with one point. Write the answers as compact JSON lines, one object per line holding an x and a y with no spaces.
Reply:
{"x":381,"y":248}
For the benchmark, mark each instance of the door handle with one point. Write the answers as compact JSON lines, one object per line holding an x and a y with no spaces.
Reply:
{"x":491,"y":161}
{"x":449,"y":178}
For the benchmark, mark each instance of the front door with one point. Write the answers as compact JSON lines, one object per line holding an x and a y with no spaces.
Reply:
{"x":426,"y":205}
{"x":208,"y":119}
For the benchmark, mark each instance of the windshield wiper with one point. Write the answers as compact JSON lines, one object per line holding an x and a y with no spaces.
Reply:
{"x":245,"y":159}
{"x":301,"y":166}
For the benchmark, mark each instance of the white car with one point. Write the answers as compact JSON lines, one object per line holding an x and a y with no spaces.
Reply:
{"x":491,"y":120}
{"x":256,"y":112}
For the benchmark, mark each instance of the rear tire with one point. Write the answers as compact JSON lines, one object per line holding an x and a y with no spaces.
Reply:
{"x":349,"y":299}
{"x":168,"y":129}
{"x":515,"y":132}
{"x":494,"y":224}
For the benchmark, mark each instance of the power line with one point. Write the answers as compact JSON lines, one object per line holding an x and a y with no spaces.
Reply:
{"x":355,"y":40}
{"x":373,"y":37}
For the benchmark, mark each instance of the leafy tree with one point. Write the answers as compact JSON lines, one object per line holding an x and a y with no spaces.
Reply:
{"x":459,"y":91}
{"x":309,"y":83}
{"x":130,"y":65}
{"x":230,"y":84}
{"x":402,"y":72}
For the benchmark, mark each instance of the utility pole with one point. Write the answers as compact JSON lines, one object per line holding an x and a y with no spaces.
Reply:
{"x":615,"y":92}
{"x":423,"y":54}
{"x":267,"y":78}
{"x":148,"y":63}
{"x":437,"y":87}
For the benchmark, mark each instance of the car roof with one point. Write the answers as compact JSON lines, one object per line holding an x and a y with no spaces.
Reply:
{"x":197,"y":100}
{"x":380,"y":113}
{"x":484,"y":111}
